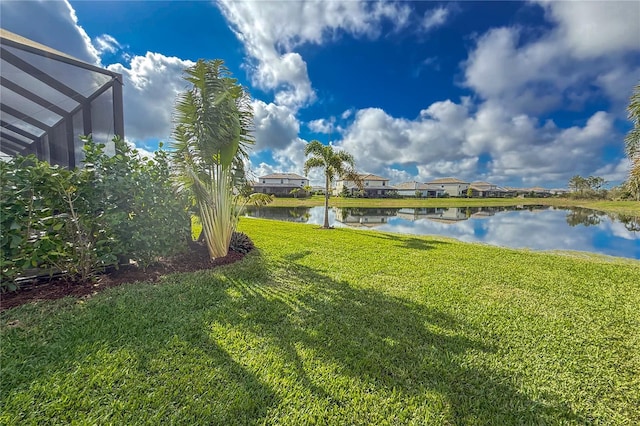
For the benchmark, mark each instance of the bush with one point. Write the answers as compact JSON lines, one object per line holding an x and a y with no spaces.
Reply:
{"x":241,"y":243}
{"x":78,"y":222}
{"x":148,"y":217}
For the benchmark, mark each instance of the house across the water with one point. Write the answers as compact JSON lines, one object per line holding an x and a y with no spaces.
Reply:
{"x":282,"y":185}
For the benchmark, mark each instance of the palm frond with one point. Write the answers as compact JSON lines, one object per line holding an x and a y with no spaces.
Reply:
{"x":213,"y":130}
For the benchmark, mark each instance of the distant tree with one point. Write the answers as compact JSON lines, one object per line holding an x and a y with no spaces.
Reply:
{"x":334,"y":163}
{"x":632,"y":143}
{"x":577,"y":184}
{"x":589,"y":187}
{"x":307,"y":189}
{"x":418,"y":193}
{"x":345,"y":193}
{"x":295,"y":192}
{"x":469,"y":192}
{"x":596,"y":183}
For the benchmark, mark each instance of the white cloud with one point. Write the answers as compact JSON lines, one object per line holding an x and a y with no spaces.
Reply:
{"x":322,"y":125}
{"x":596,"y":28}
{"x":276,"y":127}
{"x":434,"y":18}
{"x":347,"y":114}
{"x":151,"y":84}
{"x":271,"y":30}
{"x":52,"y":23}
{"x":615,"y":173}
{"x":535,"y":76}
{"x":449,"y":139}
{"x":106,"y":43}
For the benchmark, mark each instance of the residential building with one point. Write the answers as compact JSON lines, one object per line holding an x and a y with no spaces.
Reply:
{"x":489,"y":190}
{"x":450,"y":215}
{"x":368,"y":217}
{"x":411,"y":189}
{"x":420,"y":213}
{"x":373,"y":186}
{"x":281,"y":184}
{"x":451,"y":186}
{"x":558,"y":191}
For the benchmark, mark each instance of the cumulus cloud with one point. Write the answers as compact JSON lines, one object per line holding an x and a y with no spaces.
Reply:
{"x":615,"y":172}
{"x":270,"y":31}
{"x":276,"y":127}
{"x":151,"y":83}
{"x":38,"y":20}
{"x":449,"y":139}
{"x":322,"y":125}
{"x":586,"y":45}
{"x":596,"y":28}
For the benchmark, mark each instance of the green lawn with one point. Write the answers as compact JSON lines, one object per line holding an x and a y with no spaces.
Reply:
{"x":630,"y":207}
{"x":339,"y":327}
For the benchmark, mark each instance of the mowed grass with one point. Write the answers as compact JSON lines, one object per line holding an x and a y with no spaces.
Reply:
{"x":339,"y":327}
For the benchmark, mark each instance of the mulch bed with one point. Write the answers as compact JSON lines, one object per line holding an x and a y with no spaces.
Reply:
{"x":195,"y":259}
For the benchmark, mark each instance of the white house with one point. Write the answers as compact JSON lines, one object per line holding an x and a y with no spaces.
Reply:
{"x":452,"y":186}
{"x":486,"y":189}
{"x":372,"y":185}
{"x":410,"y":189}
{"x":363,"y":217}
{"x":281,"y":184}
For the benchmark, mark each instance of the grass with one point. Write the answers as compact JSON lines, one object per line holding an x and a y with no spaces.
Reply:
{"x":629,"y":207}
{"x":339,"y":327}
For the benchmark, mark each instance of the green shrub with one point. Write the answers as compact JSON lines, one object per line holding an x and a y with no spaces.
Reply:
{"x":148,"y":217}
{"x":77,"y":222}
{"x":241,"y":243}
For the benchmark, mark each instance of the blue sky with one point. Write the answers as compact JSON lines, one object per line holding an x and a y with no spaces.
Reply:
{"x":515,"y":93}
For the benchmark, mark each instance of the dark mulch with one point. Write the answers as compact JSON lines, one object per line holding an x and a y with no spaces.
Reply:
{"x":195,"y":259}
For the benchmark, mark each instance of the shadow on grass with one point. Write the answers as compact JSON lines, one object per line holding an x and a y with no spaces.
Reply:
{"x":384,"y":343}
{"x":411,"y":242}
{"x":137,"y":354}
{"x":229,"y":348}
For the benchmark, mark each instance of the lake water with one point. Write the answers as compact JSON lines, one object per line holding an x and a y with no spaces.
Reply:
{"x":534,"y":227}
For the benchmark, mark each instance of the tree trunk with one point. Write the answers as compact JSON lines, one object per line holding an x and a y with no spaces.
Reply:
{"x":326,"y":203}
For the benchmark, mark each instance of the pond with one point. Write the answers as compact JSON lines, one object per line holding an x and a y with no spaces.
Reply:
{"x":534,"y":227}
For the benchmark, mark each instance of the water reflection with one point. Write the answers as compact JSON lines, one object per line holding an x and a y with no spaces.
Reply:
{"x":585,"y":217}
{"x":536,"y":227}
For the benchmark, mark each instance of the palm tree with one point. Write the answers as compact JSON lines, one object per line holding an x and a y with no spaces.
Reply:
{"x":632,"y":142}
{"x":334,"y":163}
{"x":213,"y":128}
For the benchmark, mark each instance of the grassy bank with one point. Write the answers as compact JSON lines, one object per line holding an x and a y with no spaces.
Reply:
{"x":339,"y":327}
{"x":629,"y":207}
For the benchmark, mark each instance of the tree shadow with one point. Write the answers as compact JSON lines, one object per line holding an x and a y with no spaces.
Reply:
{"x":384,"y":342}
{"x":142,"y":344}
{"x":298,"y":318}
{"x":410,"y":242}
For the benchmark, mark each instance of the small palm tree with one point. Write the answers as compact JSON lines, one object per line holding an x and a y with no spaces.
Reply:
{"x":213,"y":123}
{"x":334,"y":163}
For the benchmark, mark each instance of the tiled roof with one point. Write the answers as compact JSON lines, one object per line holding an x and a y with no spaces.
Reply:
{"x":447,"y":180}
{"x":408,"y":185}
{"x":372,"y":177}
{"x":283,"y":176}
{"x":369,"y":177}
